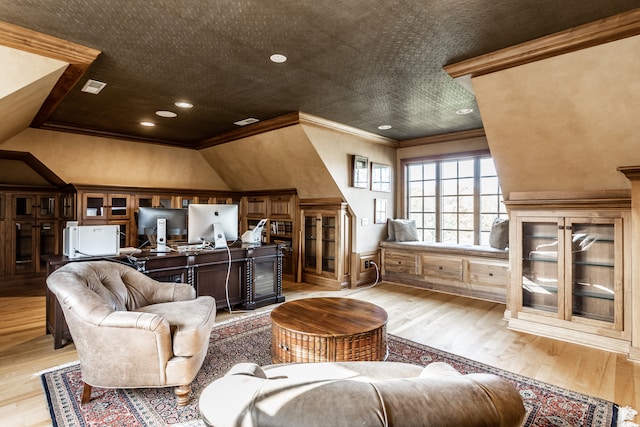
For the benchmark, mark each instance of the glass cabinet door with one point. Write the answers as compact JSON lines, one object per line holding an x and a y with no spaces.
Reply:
{"x":572,"y":268}
{"x":23,"y":206}
{"x":94,"y":206}
{"x":23,"y":247}
{"x":595,"y":280}
{"x":541,"y":270}
{"x":48,"y":241}
{"x":68,"y":205}
{"x":119,"y":206}
{"x":329,"y":243}
{"x":310,"y":241}
{"x":47,"y":206}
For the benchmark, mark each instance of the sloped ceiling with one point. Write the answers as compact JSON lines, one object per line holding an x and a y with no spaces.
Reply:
{"x":26,"y":80}
{"x":565,"y":123}
{"x":283,"y":158}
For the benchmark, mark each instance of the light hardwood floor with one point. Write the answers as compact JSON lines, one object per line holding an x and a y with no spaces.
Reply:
{"x":470,"y":328}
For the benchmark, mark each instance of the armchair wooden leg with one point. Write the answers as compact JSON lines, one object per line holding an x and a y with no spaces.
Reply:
{"x":86,"y":394}
{"x":182,"y":394}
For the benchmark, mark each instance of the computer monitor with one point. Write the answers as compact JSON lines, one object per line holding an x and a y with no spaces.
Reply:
{"x":203,"y":218}
{"x":176,"y":222}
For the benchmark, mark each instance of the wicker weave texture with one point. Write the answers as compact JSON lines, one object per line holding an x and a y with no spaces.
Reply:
{"x":294,"y":347}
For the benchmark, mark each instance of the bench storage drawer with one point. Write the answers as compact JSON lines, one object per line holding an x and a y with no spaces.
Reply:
{"x":439,"y":267}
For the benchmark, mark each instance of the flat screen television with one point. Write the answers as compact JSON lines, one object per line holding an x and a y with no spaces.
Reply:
{"x":148,"y":222}
{"x":203,"y":217}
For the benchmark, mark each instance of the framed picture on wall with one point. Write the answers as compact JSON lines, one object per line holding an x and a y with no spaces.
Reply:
{"x":380,"y":211}
{"x":360,"y":172}
{"x":380,"y":177}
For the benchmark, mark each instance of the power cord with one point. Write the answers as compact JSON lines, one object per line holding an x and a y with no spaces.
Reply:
{"x":377,"y":276}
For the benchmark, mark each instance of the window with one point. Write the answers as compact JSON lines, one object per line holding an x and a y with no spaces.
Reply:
{"x":453,"y":200}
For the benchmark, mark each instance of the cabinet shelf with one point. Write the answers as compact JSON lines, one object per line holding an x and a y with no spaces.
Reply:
{"x":540,"y":259}
{"x":540,"y":237}
{"x":593,"y":294}
{"x":594,"y":264}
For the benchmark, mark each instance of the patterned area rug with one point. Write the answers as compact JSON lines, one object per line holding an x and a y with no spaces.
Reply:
{"x":249,"y":339}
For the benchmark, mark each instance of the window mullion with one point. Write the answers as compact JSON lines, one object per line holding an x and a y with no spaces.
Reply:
{"x":476,"y":201}
{"x":438,"y":202}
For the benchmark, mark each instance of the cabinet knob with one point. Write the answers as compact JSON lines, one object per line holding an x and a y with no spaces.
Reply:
{"x":440,"y":267}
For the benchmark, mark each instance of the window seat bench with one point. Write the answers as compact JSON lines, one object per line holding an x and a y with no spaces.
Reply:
{"x":473,"y":271}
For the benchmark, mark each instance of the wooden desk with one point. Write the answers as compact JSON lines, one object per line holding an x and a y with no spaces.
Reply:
{"x":328,"y":329}
{"x":255,"y":277}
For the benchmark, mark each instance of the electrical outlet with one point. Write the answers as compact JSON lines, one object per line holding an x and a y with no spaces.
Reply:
{"x":366,"y":264}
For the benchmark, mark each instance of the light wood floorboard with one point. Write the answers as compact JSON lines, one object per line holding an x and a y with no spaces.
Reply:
{"x":471,"y":328}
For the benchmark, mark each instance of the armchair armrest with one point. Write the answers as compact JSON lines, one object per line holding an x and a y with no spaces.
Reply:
{"x":137,"y":320}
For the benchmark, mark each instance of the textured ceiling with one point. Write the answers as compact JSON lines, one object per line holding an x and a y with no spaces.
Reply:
{"x":362,"y":63}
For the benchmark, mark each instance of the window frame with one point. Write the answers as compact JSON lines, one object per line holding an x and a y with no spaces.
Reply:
{"x":477,"y":194}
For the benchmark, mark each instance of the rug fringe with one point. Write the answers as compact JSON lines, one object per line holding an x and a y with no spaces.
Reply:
{"x":55,"y":368}
{"x":625,"y":416}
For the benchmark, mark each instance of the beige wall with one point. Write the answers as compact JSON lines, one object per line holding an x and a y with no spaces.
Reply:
{"x":336,"y":150}
{"x":83,"y":159}
{"x":283,"y":158}
{"x":567,"y":122}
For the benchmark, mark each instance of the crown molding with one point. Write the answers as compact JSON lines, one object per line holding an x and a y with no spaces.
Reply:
{"x":296,"y":118}
{"x":308,"y":119}
{"x":605,"y":30}
{"x":448,"y":137}
{"x":77,"y":56}
{"x":45,"y":45}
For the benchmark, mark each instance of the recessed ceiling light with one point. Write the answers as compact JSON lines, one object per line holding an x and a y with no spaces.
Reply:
{"x":183,"y":104}
{"x":93,"y":87}
{"x":164,"y":113}
{"x":148,"y":124}
{"x":278,"y":58}
{"x":385,"y":127}
{"x":246,"y":121}
{"x":464,"y":111}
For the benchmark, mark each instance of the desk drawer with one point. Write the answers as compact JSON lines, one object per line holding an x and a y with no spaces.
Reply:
{"x":438,"y":267}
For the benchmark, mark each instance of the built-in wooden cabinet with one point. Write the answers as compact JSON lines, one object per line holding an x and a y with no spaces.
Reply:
{"x":570,"y":267}
{"x":326,"y":229}
{"x":474,"y":271}
{"x":105,"y":206}
{"x":279,"y":208}
{"x":30,"y":226}
{"x":32,"y":222}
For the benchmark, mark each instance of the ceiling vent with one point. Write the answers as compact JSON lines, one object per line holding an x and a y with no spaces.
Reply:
{"x":246,"y":121}
{"x":93,"y":86}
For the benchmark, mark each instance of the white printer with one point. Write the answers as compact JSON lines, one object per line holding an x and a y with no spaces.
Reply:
{"x":90,"y":240}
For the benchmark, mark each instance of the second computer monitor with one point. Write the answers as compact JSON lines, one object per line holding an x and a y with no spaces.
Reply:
{"x":203,"y":217}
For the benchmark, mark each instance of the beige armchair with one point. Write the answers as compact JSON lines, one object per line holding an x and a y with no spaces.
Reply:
{"x":131,"y":331}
